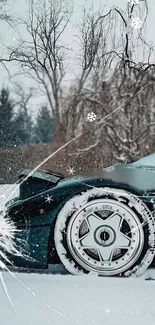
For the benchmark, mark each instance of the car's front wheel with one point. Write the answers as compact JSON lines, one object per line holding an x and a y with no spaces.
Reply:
{"x":105,"y":231}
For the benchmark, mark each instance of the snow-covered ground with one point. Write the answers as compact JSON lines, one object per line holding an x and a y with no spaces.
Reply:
{"x":48,"y":299}
{"x":81,"y":300}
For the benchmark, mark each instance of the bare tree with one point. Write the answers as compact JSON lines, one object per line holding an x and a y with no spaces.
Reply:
{"x":22,"y":98}
{"x":92,"y":34}
{"x":8,"y":19}
{"x":130,"y":130}
{"x":42,"y":56}
{"x":127,"y":131}
{"x":131,"y":48}
{"x":107,"y":42}
{"x":125,"y":109}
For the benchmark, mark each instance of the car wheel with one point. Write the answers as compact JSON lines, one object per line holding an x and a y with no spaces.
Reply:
{"x":105,"y":231}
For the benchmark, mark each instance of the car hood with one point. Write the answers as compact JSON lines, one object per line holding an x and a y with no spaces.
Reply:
{"x":138,"y":177}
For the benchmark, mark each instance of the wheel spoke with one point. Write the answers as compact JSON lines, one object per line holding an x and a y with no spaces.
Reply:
{"x":88,"y":240}
{"x":123,"y":241}
{"x":114,"y":221}
{"x":105,"y":253}
{"x":94,"y":221}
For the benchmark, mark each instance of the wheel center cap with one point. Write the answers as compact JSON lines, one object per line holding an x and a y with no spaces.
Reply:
{"x":105,"y":236}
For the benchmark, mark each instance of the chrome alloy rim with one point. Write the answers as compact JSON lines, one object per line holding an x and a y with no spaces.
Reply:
{"x":105,"y":236}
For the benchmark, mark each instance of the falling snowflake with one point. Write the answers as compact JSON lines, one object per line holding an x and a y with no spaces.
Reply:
{"x":91,"y":117}
{"x":2,"y":196}
{"x":71,"y":170}
{"x":136,"y":23}
{"x":48,"y":199}
{"x":107,"y":311}
{"x":133,"y":2}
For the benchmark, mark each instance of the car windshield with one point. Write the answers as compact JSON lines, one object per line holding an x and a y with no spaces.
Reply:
{"x":146,"y":161}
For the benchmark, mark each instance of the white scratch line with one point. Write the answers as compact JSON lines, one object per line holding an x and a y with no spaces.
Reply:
{"x":58,"y":312}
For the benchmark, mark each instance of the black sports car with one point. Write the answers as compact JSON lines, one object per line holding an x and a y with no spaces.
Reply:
{"x":103,"y":225}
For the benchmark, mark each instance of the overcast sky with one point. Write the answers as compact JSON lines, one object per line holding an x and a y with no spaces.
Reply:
{"x":20,"y":8}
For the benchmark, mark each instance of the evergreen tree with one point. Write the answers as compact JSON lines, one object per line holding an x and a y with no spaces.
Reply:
{"x":44,"y":127}
{"x":6,"y":115}
{"x":22,"y":128}
{"x":15,"y":128}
